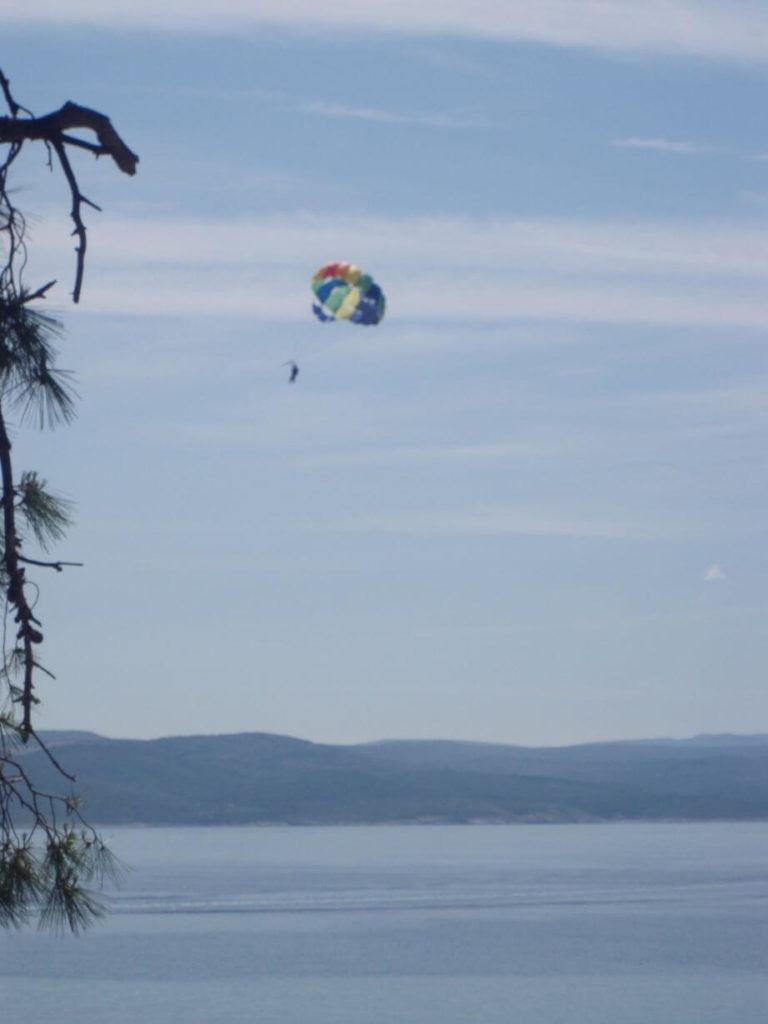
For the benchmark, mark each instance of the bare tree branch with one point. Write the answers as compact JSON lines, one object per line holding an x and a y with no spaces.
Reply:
{"x":58,"y":566}
{"x":53,"y":129}
{"x":52,"y":126}
{"x":13,"y":106}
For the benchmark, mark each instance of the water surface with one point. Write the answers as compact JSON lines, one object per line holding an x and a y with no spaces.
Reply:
{"x":594,"y":924}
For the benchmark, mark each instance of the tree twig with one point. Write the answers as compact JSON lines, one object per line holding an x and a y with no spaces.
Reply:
{"x":58,"y":566}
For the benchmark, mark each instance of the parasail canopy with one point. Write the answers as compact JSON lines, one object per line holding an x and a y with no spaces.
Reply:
{"x":344,"y":292}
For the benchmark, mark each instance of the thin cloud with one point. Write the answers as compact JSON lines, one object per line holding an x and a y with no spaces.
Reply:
{"x":321,"y":108}
{"x":714,"y":574}
{"x":678,"y":148}
{"x":325,"y":109}
{"x":708,"y":274}
{"x":443,"y":453}
{"x":711,"y":28}
{"x":682,"y":249}
{"x":512,"y":521}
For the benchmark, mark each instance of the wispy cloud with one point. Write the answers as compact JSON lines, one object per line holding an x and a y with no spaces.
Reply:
{"x":678,"y":148}
{"x":714,"y":28}
{"x":320,"y":107}
{"x":714,"y":574}
{"x":679,"y":248}
{"x":501,"y":451}
{"x":436,"y":120}
{"x":709,"y":274}
{"x":513,"y":521}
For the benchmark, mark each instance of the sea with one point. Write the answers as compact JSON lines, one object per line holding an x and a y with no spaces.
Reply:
{"x":477,"y":924}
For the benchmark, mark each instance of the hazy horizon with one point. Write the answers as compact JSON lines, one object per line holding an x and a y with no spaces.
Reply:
{"x":415,"y":739}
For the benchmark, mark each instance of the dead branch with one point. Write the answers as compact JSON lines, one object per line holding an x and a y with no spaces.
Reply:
{"x":58,"y":566}
{"x":53,"y":129}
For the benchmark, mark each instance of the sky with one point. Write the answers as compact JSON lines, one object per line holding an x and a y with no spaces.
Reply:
{"x":530,"y":506}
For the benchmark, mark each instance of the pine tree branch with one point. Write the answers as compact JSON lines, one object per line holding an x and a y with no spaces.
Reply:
{"x":27,"y":632}
{"x":48,"y":851}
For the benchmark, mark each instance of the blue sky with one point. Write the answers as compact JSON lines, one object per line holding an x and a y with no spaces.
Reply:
{"x":529,"y":506}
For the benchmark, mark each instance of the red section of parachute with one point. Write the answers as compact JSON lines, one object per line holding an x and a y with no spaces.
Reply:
{"x":333,"y":270}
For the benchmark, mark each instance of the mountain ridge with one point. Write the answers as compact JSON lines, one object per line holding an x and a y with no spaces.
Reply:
{"x":259,"y":778}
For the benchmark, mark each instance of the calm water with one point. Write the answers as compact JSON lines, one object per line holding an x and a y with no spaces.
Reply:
{"x":620,"y":924}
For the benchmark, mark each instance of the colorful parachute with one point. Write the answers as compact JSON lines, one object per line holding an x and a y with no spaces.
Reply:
{"x":344,"y":292}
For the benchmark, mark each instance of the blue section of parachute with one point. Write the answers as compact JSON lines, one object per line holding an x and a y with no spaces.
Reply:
{"x":320,"y":313}
{"x":367,"y":312}
{"x":327,"y":287}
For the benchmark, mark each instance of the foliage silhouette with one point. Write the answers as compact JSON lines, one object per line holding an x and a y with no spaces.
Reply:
{"x":49,"y":854}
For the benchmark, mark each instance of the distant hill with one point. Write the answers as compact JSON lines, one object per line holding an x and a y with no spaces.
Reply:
{"x":250,"y":778}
